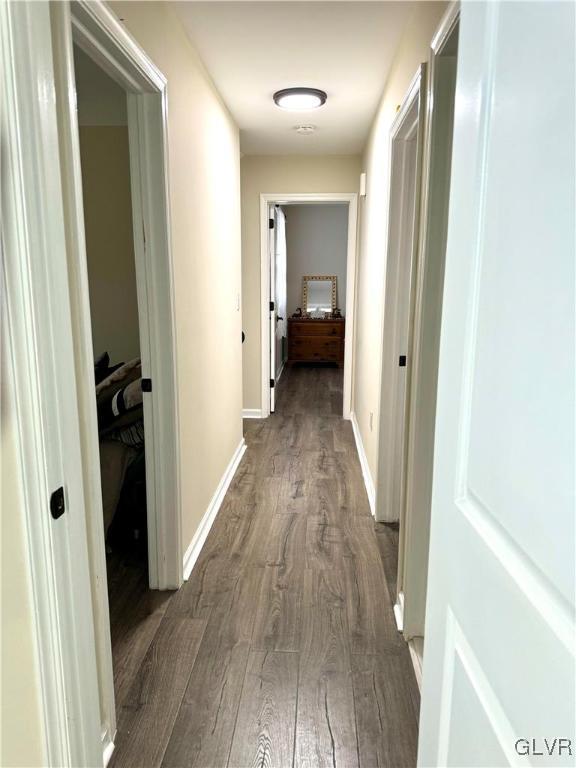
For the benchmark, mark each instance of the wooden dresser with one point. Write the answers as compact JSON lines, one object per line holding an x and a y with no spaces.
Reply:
{"x":316,"y":341}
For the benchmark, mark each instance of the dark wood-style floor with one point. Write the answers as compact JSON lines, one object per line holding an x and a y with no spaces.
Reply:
{"x":281,"y":650}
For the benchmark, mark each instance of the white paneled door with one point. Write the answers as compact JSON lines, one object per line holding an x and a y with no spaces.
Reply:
{"x":280,"y":286}
{"x":499,"y":667}
{"x":277,"y":246}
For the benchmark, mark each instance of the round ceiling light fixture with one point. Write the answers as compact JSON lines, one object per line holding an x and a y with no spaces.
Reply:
{"x":298,"y":99}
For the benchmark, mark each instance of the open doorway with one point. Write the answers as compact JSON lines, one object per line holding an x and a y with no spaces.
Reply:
{"x":412,"y":328}
{"x":308,"y":276}
{"x":115,"y":321}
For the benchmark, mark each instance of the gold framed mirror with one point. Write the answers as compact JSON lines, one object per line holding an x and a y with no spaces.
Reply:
{"x":319,"y":294}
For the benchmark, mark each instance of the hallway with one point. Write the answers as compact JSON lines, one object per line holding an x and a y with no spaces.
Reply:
{"x":281,"y":649}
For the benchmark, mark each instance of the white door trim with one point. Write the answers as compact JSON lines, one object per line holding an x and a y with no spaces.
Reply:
{"x":402,"y":129}
{"x":39,"y":320}
{"x":99,"y":33}
{"x":425,"y":341}
{"x":266,"y":200}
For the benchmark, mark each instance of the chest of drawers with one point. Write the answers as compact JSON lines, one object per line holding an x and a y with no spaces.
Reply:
{"x":316,"y":341}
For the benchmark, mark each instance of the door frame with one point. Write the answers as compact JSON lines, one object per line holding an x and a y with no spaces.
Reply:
{"x":102,"y":37}
{"x":400,"y":132}
{"x":267,"y":201}
{"x":415,"y":541}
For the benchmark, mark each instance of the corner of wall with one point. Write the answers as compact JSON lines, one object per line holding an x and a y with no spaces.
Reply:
{"x":373,"y":224}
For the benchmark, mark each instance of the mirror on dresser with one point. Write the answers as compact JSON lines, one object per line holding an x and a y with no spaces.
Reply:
{"x":319,"y":293}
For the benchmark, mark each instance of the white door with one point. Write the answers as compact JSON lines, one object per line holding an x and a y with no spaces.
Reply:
{"x":280,"y":287}
{"x":499,"y":668}
{"x":277,"y":244}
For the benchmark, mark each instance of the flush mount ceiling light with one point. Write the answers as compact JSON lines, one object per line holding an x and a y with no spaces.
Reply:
{"x":298,"y":99}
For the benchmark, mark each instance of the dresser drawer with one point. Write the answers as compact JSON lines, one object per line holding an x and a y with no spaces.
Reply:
{"x":320,"y":343}
{"x":312,"y":356}
{"x":317,"y":328}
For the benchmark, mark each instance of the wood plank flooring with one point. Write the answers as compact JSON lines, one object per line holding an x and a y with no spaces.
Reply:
{"x":281,"y":650}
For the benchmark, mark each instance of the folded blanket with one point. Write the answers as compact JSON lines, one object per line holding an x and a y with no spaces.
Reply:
{"x":127,"y":371}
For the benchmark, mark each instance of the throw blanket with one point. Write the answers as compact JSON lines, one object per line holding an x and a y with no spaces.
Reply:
{"x":119,"y":404}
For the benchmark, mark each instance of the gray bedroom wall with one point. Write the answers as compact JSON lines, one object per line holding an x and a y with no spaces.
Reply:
{"x":316,"y":239}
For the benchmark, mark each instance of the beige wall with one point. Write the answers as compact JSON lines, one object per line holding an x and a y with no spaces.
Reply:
{"x":204,"y":160}
{"x":105,"y":161}
{"x":109,"y":241}
{"x":412,"y":51}
{"x":21,"y":729}
{"x":269,"y":174}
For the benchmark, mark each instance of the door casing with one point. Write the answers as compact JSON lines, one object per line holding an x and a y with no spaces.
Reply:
{"x":267,"y":201}
{"x":406,"y":140}
{"x":429,"y":283}
{"x":102,"y":37}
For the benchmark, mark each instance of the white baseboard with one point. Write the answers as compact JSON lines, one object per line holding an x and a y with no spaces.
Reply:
{"x":252,"y":413}
{"x":195,"y":546}
{"x":415,"y":646}
{"x":281,"y":371}
{"x":368,"y":482}
{"x":107,"y":747}
{"x":399,"y":611}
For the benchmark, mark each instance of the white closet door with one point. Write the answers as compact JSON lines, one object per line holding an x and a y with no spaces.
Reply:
{"x":277,"y":243}
{"x":280,"y":286}
{"x":499,"y":666}
{"x":272,"y":310}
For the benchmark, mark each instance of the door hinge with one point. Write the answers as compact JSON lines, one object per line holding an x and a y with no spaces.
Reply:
{"x":146,"y":385}
{"x":272,"y":383}
{"x":270,"y":223}
{"x":402,"y":361}
{"x":57,"y":503}
{"x":272,"y":306}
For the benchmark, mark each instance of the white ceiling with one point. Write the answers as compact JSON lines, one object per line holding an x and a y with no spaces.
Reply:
{"x":252,"y":49}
